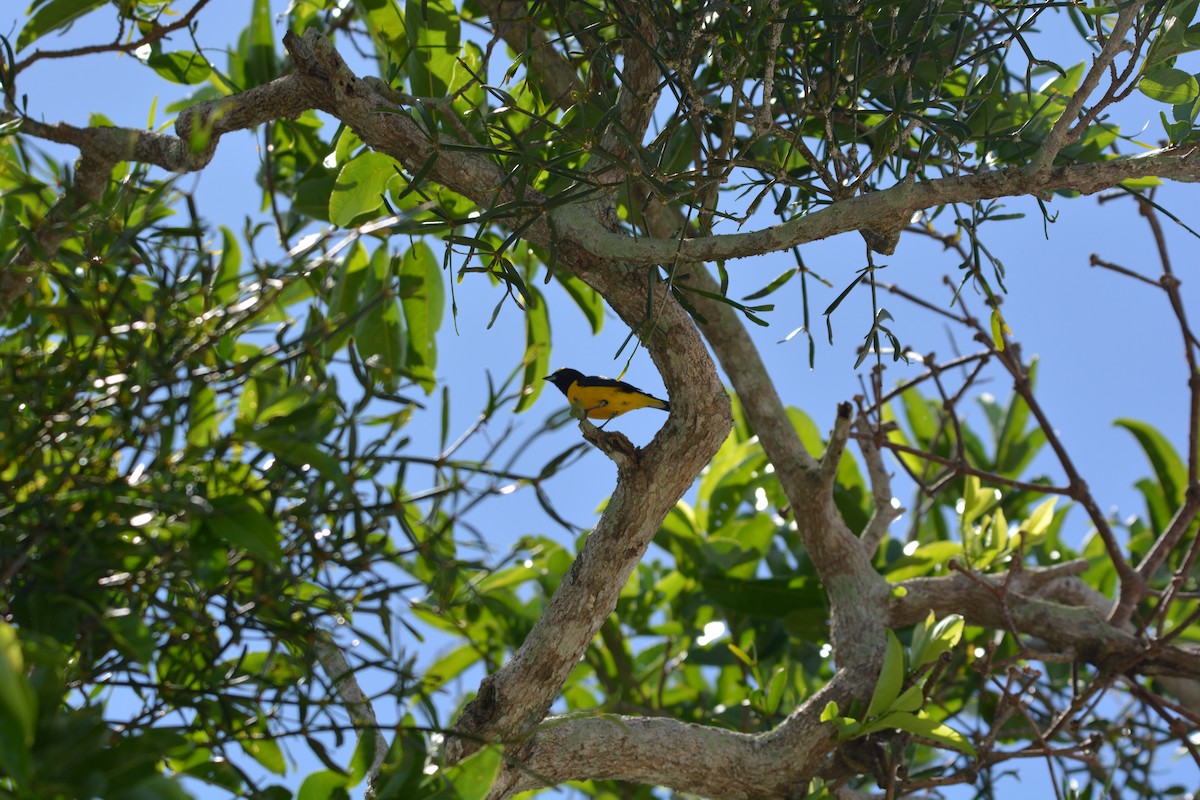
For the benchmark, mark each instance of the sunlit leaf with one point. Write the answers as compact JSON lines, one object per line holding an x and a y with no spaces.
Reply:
{"x":379,"y":335}
{"x":361,"y":186}
{"x":422,"y":295}
{"x":180,"y":67}
{"x":1168,"y":467}
{"x":1169,"y":85}
{"x":537,"y":350}
{"x":433,"y":34}
{"x":53,"y":15}
{"x":891,"y":677}
{"x":18,"y":705}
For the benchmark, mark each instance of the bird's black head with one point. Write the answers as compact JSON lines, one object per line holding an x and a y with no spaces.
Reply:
{"x":564,"y":378}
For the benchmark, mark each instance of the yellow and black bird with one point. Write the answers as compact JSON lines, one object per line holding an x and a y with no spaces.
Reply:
{"x":602,"y":398}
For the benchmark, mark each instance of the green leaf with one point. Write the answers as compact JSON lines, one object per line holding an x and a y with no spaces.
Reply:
{"x":977,"y":499}
{"x":423,"y":297}
{"x":364,"y":756}
{"x":183,"y":67}
{"x":323,"y":785}
{"x":996,"y":542}
{"x":204,"y":421}
{"x":465,"y":87}
{"x":922,"y":418}
{"x":1169,"y":85}
{"x":921,"y":637}
{"x":52,"y":16}
{"x":472,"y":777}
{"x":891,"y":678}
{"x":282,"y":404}
{"x":380,"y":335}
{"x":1168,"y":468}
{"x":385,"y":21}
{"x":241,"y":521}
{"x":847,"y":727}
{"x":451,"y":665}
{"x":741,"y":655}
{"x":346,"y":297}
{"x":1014,"y":447}
{"x":1066,"y":83}
{"x":266,"y":752}
{"x":925,"y":727}
{"x":312,"y":195}
{"x":225,"y":282}
{"x":911,"y":699}
{"x":771,"y":598}
{"x":937,"y":639}
{"x":999,"y":330}
{"x":360,"y":187}
{"x":772,"y":286}
{"x":18,"y":710}
{"x":728,"y":470}
{"x":259,"y":45}
{"x":1033,"y":528}
{"x":925,"y":560}
{"x":433,"y":33}
{"x":537,"y":349}
{"x":1157,"y":508}
{"x":775,"y":690}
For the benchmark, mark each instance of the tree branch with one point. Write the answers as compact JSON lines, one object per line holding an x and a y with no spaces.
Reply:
{"x":1080,"y":632}
{"x":1065,"y":129}
{"x":697,"y":759}
{"x":883,"y":210}
{"x":357,"y":703}
{"x":157,"y":33}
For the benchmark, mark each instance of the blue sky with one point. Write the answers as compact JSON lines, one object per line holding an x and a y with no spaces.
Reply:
{"x":1108,"y":347}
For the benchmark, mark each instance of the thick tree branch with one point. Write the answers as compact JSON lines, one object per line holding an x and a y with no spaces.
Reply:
{"x":516,"y":697}
{"x":697,"y":759}
{"x":857,"y":592}
{"x":886,"y":209}
{"x":1077,"y":631}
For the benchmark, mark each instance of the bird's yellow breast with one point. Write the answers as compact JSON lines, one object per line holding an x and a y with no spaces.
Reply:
{"x":606,"y":402}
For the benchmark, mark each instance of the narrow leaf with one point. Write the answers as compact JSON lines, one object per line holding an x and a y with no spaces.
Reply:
{"x":891,"y":677}
{"x":537,"y":349}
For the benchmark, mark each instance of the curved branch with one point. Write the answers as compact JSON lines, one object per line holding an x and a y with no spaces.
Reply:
{"x":1079,"y":631}
{"x":886,"y":210}
{"x":702,"y":760}
{"x":856,"y":590}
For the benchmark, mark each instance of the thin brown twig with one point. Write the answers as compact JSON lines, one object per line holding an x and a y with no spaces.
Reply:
{"x":964,"y":468}
{"x":1096,"y":261}
{"x":157,"y":33}
{"x":1178,"y":731}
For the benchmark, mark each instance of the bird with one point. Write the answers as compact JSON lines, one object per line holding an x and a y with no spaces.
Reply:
{"x":598,"y":397}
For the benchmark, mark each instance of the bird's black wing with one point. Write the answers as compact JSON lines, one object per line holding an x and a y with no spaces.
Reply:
{"x":600,"y":380}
